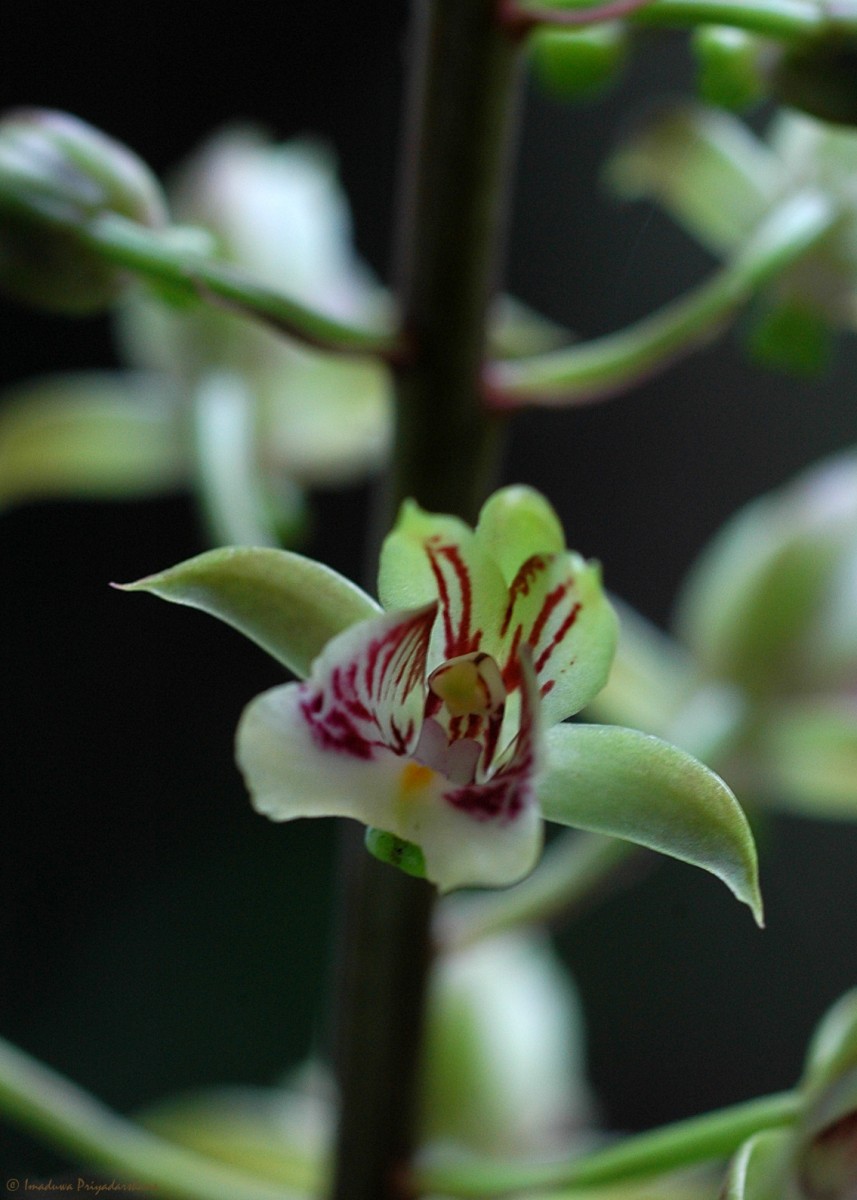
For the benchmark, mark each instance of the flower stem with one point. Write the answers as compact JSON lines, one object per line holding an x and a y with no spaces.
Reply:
{"x":658,"y":1152}
{"x":575,"y":869}
{"x":40,"y":1100}
{"x":457,"y":149}
{"x":593,"y":371}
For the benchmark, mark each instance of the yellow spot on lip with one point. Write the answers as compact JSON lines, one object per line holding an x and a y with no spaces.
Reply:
{"x":415,"y":777}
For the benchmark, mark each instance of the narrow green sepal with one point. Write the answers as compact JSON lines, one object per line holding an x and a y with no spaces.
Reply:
{"x":634,"y":786}
{"x":395,"y":851}
{"x":289,"y":605}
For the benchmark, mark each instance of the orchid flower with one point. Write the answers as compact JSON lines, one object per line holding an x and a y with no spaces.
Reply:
{"x":437,"y":720}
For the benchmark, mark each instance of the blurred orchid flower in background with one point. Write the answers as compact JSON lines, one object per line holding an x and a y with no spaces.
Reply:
{"x":211,"y":394}
{"x":760,"y":677}
{"x":720,"y":181}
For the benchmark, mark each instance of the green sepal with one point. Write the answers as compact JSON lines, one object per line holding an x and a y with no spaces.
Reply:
{"x":575,"y":64}
{"x":729,"y":72}
{"x":710,"y":173}
{"x":751,"y":608}
{"x":791,"y":335}
{"x":396,"y":852}
{"x":634,"y":786}
{"x":806,"y":752}
{"x":289,"y":605}
{"x":94,"y":434}
{"x":833,"y":1047}
{"x":758,"y":1170}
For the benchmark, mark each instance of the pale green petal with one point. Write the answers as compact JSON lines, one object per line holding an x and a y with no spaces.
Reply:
{"x":651,"y":678}
{"x":750,"y":609}
{"x":634,"y":786}
{"x":833,"y":1048}
{"x":806,"y":757}
{"x":428,"y":557}
{"x":515,"y":523}
{"x":287,"y":604}
{"x":325,"y":420}
{"x":504,"y":1069}
{"x":98,"y":434}
{"x":710,"y":173}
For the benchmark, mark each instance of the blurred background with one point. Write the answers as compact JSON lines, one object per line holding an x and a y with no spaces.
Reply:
{"x":156,"y":935}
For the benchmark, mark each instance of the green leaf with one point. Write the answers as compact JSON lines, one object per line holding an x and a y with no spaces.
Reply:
{"x":757,"y":1172}
{"x":96,"y":434}
{"x":634,"y":786}
{"x":289,"y":605}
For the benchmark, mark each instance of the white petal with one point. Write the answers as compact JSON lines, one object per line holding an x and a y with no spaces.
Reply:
{"x":288,"y":774}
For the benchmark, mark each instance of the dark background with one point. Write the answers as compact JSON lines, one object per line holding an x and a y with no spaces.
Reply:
{"x":154,"y":933}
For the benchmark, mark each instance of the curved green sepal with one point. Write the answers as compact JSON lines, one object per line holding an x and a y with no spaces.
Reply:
{"x":395,"y":851}
{"x":807,"y":753}
{"x":710,"y":173}
{"x":757,"y":1171}
{"x":515,"y":523}
{"x":289,"y":605}
{"x":833,"y":1048}
{"x":94,"y":434}
{"x":634,"y":786}
{"x":750,"y":607}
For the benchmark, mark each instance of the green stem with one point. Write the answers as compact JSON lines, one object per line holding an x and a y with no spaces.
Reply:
{"x":575,"y":868}
{"x":155,"y":256}
{"x":782,"y":19}
{"x":463,"y":109}
{"x":684,"y":1144}
{"x":40,"y":1100}
{"x":463,"y":77}
{"x":594,"y":371}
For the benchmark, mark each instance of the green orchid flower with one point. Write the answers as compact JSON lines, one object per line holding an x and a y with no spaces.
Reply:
{"x":211,"y":401}
{"x":759,"y":677}
{"x":438,"y":720}
{"x":720,"y":181}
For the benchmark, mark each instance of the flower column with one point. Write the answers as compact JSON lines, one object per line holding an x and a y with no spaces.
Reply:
{"x":463,"y":96}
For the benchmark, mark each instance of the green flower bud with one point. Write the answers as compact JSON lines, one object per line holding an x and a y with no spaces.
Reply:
{"x":56,"y":174}
{"x":574,"y":64}
{"x":730,"y":66}
{"x":769,"y":605}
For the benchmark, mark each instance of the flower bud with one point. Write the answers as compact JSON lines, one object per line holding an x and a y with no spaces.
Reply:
{"x":503,"y":1066}
{"x":56,"y":174}
{"x":574,"y":64}
{"x":770,"y":604}
{"x":730,"y":66}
